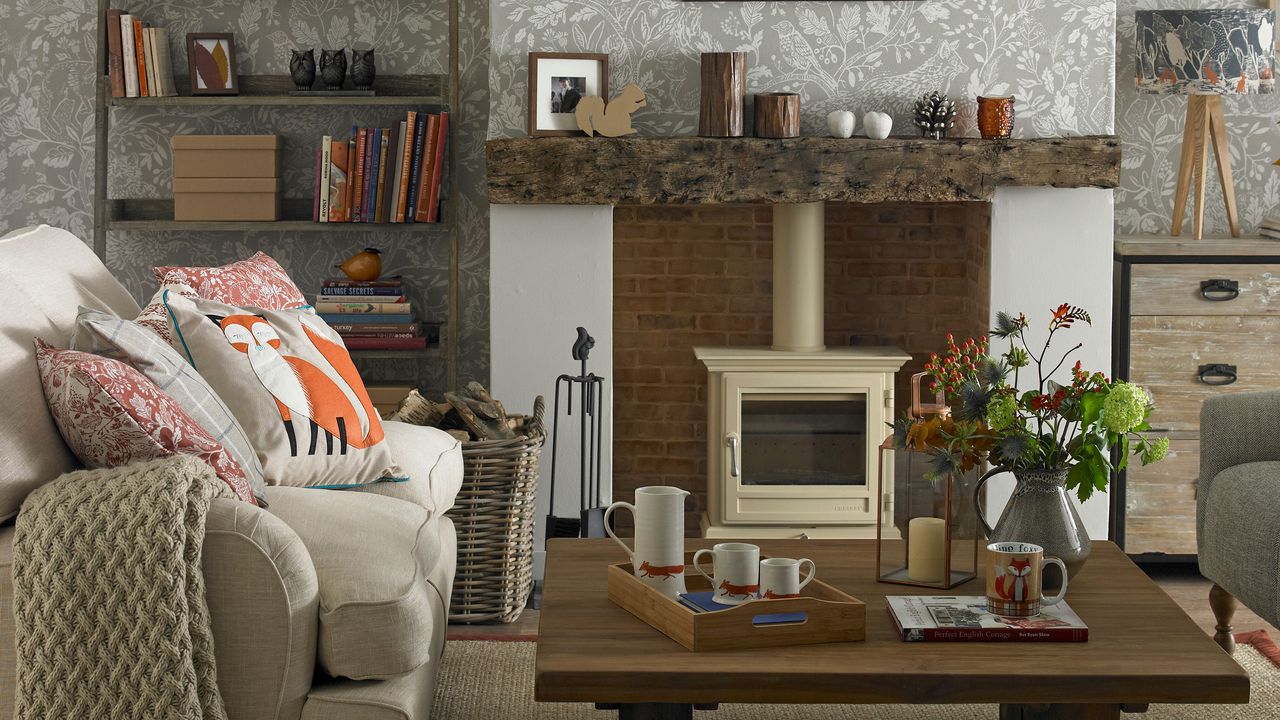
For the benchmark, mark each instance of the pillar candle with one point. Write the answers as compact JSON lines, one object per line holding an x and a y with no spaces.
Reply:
{"x":926,"y":549}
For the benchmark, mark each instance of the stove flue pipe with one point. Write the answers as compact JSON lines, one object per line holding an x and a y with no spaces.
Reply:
{"x":798,"y":308}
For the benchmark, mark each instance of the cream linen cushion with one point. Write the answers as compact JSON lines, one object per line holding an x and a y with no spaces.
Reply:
{"x":372,"y":555}
{"x":430,"y":460}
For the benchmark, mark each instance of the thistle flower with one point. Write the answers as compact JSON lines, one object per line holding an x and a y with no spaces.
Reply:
{"x":1125,"y":407}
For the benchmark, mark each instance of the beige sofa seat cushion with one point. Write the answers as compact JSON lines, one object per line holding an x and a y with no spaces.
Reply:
{"x":372,"y":556}
{"x":430,"y":458}
{"x":46,"y":274}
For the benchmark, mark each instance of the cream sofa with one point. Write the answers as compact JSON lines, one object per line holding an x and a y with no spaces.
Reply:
{"x":328,"y":605}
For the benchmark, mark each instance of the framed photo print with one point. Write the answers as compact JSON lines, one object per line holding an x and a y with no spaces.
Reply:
{"x":557,"y":81}
{"x":211,"y":64}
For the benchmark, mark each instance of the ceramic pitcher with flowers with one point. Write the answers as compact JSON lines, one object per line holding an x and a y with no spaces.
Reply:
{"x":658,"y":556}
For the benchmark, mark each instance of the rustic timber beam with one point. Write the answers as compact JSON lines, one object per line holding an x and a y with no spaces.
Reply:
{"x":689,"y":170}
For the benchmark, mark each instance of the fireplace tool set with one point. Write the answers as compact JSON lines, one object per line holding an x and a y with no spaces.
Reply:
{"x":590,"y":408}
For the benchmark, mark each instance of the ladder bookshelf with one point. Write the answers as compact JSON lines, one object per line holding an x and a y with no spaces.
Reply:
{"x":408,"y":91}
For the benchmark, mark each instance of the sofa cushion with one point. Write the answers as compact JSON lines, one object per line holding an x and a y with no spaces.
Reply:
{"x":293,"y":387}
{"x":1238,"y":545}
{"x":258,"y":281}
{"x":372,"y":557}
{"x":430,"y":461}
{"x":130,"y":342}
{"x":111,"y":415}
{"x":155,"y":316}
{"x":46,"y":274}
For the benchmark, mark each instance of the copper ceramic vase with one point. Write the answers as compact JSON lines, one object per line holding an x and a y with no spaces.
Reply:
{"x":995,"y":116}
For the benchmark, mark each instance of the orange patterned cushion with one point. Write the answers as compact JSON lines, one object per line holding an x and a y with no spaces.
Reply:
{"x":257,"y":282}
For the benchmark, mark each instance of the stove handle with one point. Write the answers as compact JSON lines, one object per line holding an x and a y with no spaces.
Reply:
{"x":734,"y":444}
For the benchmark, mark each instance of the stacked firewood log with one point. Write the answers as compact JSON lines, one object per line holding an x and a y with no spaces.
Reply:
{"x":469,"y":414}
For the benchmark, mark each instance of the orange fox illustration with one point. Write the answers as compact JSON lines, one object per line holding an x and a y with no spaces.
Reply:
{"x":770,"y":595}
{"x":736,"y":590}
{"x":662,"y":571}
{"x":329,"y":397}
{"x":1012,"y":585}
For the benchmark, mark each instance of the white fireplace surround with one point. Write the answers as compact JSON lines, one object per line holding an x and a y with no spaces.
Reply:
{"x":552,"y":269}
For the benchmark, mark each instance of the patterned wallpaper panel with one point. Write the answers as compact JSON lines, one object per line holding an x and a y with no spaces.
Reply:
{"x":47,"y":66}
{"x":1151,"y":127}
{"x":1057,"y":56}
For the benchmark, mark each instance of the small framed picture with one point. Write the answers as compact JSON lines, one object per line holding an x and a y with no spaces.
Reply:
{"x":557,"y":81}
{"x":211,"y":64}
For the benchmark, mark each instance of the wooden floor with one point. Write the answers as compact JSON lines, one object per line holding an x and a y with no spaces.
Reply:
{"x":1181,"y":581}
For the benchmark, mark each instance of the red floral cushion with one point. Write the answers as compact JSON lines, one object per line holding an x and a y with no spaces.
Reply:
{"x":257,"y":282}
{"x":155,"y":317}
{"x":110,"y":415}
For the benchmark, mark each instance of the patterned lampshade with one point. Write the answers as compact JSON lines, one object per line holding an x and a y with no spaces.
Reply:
{"x":1206,"y":52}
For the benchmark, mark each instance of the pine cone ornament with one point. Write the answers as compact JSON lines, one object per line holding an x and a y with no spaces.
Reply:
{"x":935,"y":115}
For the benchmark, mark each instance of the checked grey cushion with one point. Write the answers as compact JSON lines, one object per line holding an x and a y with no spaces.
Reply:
{"x":107,"y":335}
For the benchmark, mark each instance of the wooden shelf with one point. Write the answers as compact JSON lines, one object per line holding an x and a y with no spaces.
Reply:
{"x":1167,"y":245}
{"x":394,"y":354}
{"x":157,"y":216}
{"x":273,"y":90}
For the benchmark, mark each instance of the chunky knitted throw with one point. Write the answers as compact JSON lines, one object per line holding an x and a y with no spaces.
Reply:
{"x":109,"y":595}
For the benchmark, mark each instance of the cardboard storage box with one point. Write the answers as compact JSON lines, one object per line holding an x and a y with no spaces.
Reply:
{"x":226,"y":156}
{"x":226,"y":198}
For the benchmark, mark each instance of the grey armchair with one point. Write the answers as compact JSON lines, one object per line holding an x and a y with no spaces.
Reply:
{"x":1238,"y":506}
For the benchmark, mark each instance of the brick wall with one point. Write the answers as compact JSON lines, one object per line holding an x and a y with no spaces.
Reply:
{"x":899,"y":275}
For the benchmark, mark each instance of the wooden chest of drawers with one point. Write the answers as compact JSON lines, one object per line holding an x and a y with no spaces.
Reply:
{"x":1193,"y":319}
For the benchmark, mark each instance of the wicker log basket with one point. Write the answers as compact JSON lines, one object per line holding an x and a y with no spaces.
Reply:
{"x":494,"y":517}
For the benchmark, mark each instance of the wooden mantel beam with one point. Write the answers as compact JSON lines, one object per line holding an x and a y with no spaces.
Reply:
{"x":691,"y":170}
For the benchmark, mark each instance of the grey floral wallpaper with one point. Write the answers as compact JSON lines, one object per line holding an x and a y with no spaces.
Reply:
{"x":1151,"y":128}
{"x":47,"y":66}
{"x":1057,"y":56}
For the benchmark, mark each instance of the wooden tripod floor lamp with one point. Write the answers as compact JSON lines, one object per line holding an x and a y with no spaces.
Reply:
{"x":1205,"y":54}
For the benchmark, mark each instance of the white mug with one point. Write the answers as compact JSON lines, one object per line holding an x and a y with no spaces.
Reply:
{"x":658,"y":558}
{"x":780,"y":577}
{"x":736,"y":577}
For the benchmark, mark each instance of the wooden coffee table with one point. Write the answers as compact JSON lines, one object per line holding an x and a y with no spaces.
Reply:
{"x":1142,"y":649}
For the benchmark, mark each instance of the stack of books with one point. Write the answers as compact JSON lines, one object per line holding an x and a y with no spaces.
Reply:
{"x":370,"y":314}
{"x":383,"y":175}
{"x":1270,"y":228}
{"x":138,"y":60}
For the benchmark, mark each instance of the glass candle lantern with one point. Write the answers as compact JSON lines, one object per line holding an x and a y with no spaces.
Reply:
{"x":995,"y":116}
{"x":927,"y":534}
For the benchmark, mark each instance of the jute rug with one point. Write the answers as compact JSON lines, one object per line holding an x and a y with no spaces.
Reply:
{"x":494,"y":681}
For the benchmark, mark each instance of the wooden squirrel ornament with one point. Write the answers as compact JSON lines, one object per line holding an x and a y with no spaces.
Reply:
{"x":614,"y":119}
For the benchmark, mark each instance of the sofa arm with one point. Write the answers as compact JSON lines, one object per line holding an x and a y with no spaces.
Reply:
{"x":263,"y":596}
{"x":1235,"y":429}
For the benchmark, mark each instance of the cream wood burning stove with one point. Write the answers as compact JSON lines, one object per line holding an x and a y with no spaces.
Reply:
{"x":793,"y":430}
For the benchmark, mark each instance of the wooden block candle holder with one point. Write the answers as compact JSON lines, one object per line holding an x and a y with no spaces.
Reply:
{"x":724,"y":91}
{"x":777,"y":115}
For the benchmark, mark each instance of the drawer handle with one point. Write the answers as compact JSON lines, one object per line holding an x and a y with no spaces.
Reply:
{"x":1218,"y":374}
{"x":1219,"y":289}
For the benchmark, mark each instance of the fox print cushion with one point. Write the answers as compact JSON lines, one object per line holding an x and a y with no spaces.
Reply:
{"x":290,"y":382}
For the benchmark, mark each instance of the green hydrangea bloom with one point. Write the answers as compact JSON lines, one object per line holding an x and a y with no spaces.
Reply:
{"x":1125,"y":407}
{"x":1002,"y":411}
{"x":1155,"y":452}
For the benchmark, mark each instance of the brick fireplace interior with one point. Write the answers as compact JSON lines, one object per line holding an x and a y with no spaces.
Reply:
{"x":896,"y":274}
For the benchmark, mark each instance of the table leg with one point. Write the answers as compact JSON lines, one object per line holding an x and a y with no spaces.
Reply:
{"x":1081,"y":711}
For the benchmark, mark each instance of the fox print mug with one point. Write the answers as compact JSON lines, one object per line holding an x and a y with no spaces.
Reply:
{"x":735,"y":573}
{"x":780,"y":577}
{"x":1015,"y":579}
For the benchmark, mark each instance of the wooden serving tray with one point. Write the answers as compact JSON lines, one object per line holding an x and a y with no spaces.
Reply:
{"x":831,"y":615}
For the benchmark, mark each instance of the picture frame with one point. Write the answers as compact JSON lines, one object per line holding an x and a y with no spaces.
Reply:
{"x":557,"y":80}
{"x":211,"y":64}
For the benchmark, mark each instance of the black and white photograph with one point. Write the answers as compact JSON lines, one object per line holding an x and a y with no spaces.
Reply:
{"x":557,"y":84}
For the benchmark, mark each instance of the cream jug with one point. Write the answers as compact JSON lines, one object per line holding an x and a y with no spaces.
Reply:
{"x":658,"y":557}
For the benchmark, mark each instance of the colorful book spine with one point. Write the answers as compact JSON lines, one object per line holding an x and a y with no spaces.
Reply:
{"x":380,"y":207}
{"x":362,"y":292}
{"x":369,"y":318}
{"x":364,"y":308}
{"x":351,"y":164}
{"x":371,"y":177}
{"x":315,"y":195}
{"x":140,"y":59}
{"x":115,"y":54}
{"x":362,"y":154}
{"x":346,"y":326}
{"x":437,"y":171}
{"x":338,"y":178}
{"x":402,"y":193}
{"x":412,"y":343}
{"x":393,"y":179}
{"x":423,"y":193}
{"x":164,"y":63}
{"x":389,"y":335}
{"x":419,"y":139}
{"x":128,"y":55}
{"x":326,"y":168}
{"x":385,"y":299}
{"x":394,"y":281}
{"x":149,"y":58}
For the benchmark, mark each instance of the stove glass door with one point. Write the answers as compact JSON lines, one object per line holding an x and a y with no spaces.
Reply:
{"x":804,"y":439}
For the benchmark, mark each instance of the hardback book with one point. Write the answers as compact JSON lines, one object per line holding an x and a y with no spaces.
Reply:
{"x":338,"y":180}
{"x":412,"y":343}
{"x":391,"y":293}
{"x":393,"y":180}
{"x":952,"y":618}
{"x":364,"y":308}
{"x":442,"y":137}
{"x":351,"y":186}
{"x":398,"y":335}
{"x":140,"y":58}
{"x":373,"y":167}
{"x":410,"y":135}
{"x":423,"y":193}
{"x":357,"y":193}
{"x":163,"y":62}
{"x":375,"y":299}
{"x":415,"y":164}
{"x":365,"y":318}
{"x":701,"y":602}
{"x":149,"y":58}
{"x":345,"y":326}
{"x":128,"y":56}
{"x":395,"y":281}
{"x":315,"y":193}
{"x":325,"y":173}
{"x":115,"y":54}
{"x":387,"y":154}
